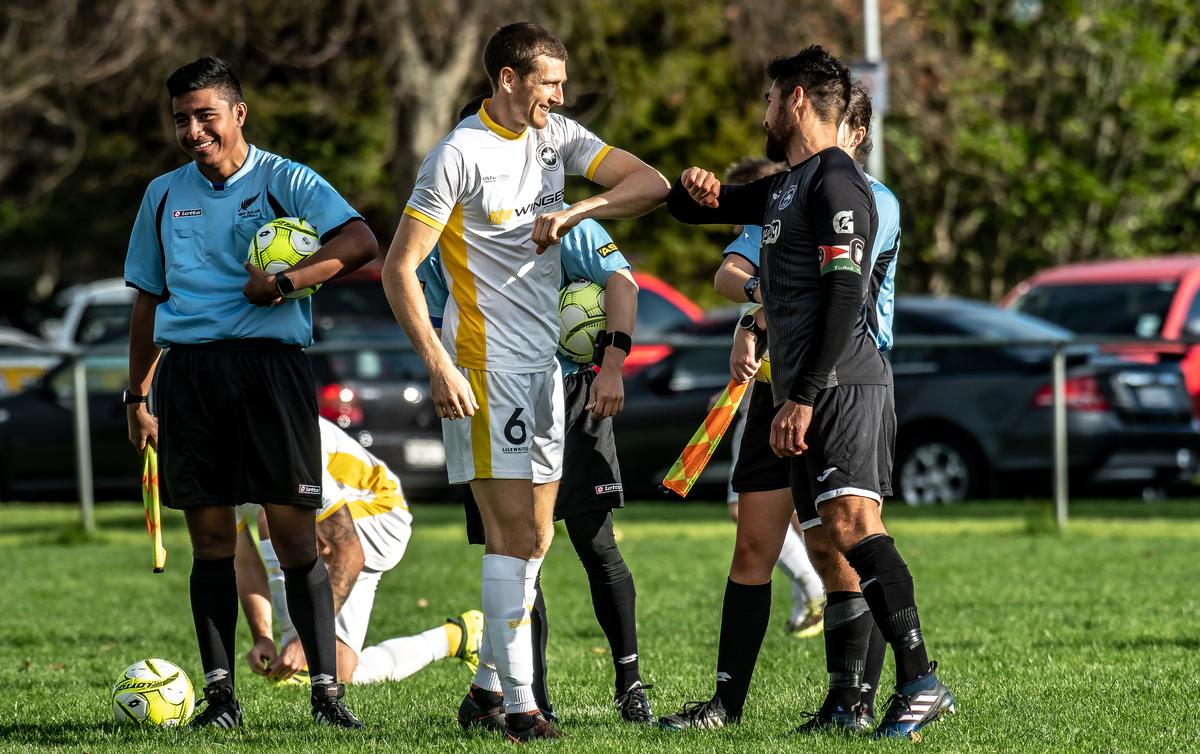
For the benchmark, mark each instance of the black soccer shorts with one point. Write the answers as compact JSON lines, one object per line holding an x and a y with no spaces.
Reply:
{"x":851,"y":444}
{"x":237,"y":423}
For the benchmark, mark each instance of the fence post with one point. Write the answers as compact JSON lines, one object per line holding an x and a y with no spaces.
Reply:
{"x":83,"y":445}
{"x":1060,"y":435}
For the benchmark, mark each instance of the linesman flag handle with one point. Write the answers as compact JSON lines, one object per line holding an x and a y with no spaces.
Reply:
{"x":703,"y":444}
{"x":153,"y":508}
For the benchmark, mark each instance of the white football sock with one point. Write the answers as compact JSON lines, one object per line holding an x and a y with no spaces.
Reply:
{"x":486,"y":676}
{"x":506,"y":581}
{"x":283,"y":618}
{"x":793,"y":560}
{"x":397,"y":659}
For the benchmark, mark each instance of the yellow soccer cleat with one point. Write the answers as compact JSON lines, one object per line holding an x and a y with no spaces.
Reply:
{"x":470,"y":625}
{"x":812,"y":623}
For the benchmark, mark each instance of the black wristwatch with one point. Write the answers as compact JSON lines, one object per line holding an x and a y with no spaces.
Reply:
{"x":132,"y":399}
{"x":747,"y":322}
{"x":750,"y":287}
{"x":284,"y":284}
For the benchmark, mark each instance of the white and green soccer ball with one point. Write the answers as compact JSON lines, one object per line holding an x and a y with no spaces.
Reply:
{"x":581,"y":317}
{"x":282,"y":244}
{"x":153,"y":692}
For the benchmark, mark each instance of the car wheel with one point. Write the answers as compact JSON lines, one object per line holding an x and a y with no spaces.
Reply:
{"x":938,"y":469}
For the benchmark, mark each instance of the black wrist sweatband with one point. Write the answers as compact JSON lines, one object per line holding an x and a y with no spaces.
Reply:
{"x":616,"y":339}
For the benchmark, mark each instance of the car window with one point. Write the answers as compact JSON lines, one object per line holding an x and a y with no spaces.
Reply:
{"x":700,"y":367}
{"x":103,"y":324}
{"x":105,"y":374}
{"x":1124,"y":309}
{"x":358,"y":299}
{"x":998,"y":324}
{"x":656,"y":315}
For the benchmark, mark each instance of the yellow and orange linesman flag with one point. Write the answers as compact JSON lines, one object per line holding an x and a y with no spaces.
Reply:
{"x":703,"y":444}
{"x":153,"y":509}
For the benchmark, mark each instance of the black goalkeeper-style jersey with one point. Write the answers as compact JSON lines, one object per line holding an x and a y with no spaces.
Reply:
{"x":818,"y":222}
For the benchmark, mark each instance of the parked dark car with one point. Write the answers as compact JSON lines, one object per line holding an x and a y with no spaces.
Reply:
{"x":37,"y":435}
{"x":977,"y":421}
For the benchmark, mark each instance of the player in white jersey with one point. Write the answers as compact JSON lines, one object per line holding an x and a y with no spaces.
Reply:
{"x":491,"y":195}
{"x":363,"y":529}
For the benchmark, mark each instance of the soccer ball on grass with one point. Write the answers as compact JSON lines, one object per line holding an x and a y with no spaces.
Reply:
{"x":280,"y":245}
{"x":581,"y":317}
{"x":153,"y":692}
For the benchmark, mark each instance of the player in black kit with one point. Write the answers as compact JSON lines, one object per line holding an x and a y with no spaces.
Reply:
{"x":831,"y":386}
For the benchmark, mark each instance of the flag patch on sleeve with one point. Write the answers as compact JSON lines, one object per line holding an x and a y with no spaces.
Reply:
{"x":840,"y":257}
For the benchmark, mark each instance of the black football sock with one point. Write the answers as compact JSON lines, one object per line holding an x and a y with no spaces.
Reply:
{"x":848,"y":626}
{"x":888,"y":588}
{"x":614,"y":598}
{"x":310,"y":602}
{"x":744,"y":617}
{"x":876,"y":651}
{"x":540,"y":633}
{"x":213,"y":590}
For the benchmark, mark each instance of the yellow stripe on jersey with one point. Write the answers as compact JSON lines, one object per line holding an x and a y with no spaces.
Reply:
{"x":470,"y":341}
{"x":481,"y":426}
{"x":594,"y":165}
{"x":351,"y":471}
{"x":423,"y":218}
{"x":495,"y":127}
{"x":381,"y":504}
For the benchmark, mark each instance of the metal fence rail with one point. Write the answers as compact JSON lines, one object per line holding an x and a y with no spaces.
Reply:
{"x":1058,"y":348}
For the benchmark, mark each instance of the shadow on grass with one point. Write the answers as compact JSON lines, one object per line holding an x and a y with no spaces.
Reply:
{"x":1139,"y":643}
{"x":56,"y":734}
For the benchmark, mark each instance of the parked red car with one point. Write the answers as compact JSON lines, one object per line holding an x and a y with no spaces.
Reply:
{"x":1130,"y":299}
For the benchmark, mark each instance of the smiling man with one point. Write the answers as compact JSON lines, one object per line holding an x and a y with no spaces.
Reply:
{"x":236,"y":415}
{"x":491,"y":196}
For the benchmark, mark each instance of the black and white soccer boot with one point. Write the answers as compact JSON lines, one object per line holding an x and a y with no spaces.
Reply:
{"x":856,"y":721}
{"x":483,"y":709}
{"x":915,"y":706}
{"x":705,"y":715}
{"x":633,"y":705}
{"x":221,"y":709}
{"x":329,"y":709}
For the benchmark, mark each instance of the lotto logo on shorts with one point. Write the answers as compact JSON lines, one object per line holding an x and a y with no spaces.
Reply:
{"x":604,"y":489}
{"x":309,"y":489}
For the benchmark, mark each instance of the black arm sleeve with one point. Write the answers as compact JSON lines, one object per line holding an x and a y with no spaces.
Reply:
{"x":839,"y":210}
{"x":742,"y":204}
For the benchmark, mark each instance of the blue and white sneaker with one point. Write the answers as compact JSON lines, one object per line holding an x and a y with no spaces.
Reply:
{"x":915,"y":706}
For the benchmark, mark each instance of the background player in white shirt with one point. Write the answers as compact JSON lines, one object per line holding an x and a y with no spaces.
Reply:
{"x":363,"y":529}
{"x":492,"y":194}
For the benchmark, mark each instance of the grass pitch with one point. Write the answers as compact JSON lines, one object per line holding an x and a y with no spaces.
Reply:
{"x":1086,"y":641}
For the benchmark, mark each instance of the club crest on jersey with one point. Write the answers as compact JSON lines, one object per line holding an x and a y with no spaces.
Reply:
{"x":787,"y":198}
{"x":548,"y":156}
{"x":843,"y":222}
{"x":247,"y":209}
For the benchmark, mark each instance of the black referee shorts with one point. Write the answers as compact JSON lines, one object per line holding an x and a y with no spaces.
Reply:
{"x":851,"y":444}
{"x":237,"y":423}
{"x":758,"y":469}
{"x":591,"y":478}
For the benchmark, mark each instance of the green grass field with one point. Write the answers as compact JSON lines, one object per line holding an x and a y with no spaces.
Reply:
{"x":1082,"y":642}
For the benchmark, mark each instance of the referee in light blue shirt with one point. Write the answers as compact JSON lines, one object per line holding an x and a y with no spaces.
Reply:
{"x":236,"y":417}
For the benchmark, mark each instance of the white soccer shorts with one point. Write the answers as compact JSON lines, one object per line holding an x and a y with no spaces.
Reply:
{"x":384,"y":538}
{"x":517,"y":433}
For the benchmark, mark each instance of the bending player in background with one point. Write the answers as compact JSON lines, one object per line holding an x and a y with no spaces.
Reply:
{"x":363,"y":528}
{"x":591,"y":485}
{"x":491,"y":193}
{"x":758,"y":475}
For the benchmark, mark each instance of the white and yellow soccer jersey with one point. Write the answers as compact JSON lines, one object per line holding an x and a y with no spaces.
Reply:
{"x":482,"y":187}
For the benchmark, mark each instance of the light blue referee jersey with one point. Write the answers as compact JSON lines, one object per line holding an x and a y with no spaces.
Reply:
{"x":886,"y":248}
{"x":189,"y":243}
{"x":587,"y":253}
